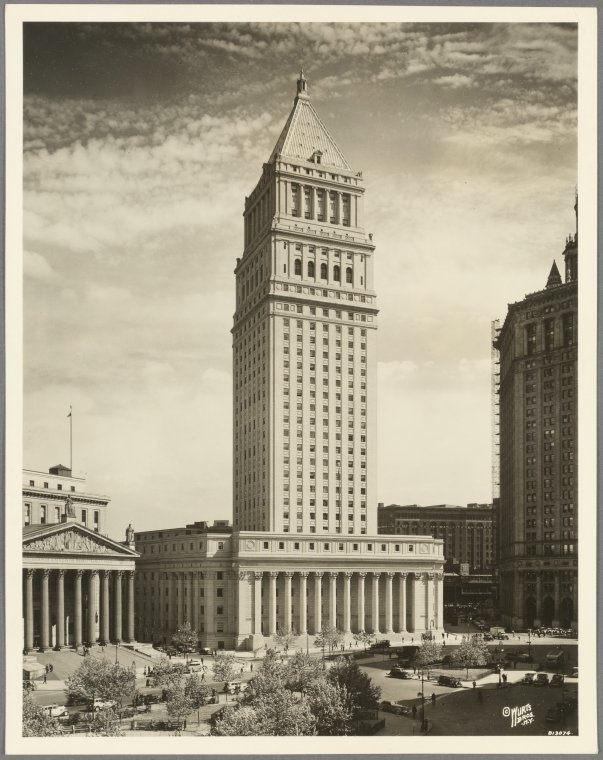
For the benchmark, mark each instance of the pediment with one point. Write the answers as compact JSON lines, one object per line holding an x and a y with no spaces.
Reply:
{"x":73,"y":539}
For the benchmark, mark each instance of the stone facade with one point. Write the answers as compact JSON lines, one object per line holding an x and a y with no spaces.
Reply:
{"x":236,"y":589}
{"x":303,"y":552}
{"x":538,"y":531}
{"x":78,"y":585}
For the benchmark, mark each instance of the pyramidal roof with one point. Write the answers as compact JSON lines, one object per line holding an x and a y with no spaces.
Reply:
{"x":554,"y":278}
{"x":304,"y":134}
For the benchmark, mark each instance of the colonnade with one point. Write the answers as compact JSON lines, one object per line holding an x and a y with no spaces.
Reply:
{"x":375,"y":601}
{"x":94,"y":603}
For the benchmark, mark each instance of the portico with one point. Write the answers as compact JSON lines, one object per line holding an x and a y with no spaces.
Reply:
{"x":72,"y":587}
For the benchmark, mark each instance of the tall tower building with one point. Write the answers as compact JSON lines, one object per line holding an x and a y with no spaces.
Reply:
{"x":538,"y":548}
{"x":304,"y":342}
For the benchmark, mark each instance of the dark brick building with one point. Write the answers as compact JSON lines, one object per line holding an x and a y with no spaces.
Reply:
{"x":538,"y":523}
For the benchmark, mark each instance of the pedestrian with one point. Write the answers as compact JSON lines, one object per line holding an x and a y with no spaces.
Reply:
{"x":444,"y":644}
{"x":203,"y":676}
{"x":474,"y":684}
{"x":433,"y":699}
{"x":46,"y":668}
{"x":44,"y":681}
{"x":252,"y":667}
{"x":504,"y":677}
{"x":241,"y":671}
{"x":202,"y":661}
{"x":414,"y":670}
{"x":148,"y":681}
{"x":414,"y":712}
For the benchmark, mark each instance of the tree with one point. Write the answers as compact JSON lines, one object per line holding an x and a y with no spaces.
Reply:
{"x":471,"y":653}
{"x":105,"y":723}
{"x":427,"y":654}
{"x":278,"y":714}
{"x":364,"y":638}
{"x":329,"y":637}
{"x":167,"y":673}
{"x":97,"y":678}
{"x":36,"y":721}
{"x":224,"y":666}
{"x":284,"y":636}
{"x":331,"y":708}
{"x":179,"y":703}
{"x":185,"y":639}
{"x":302,"y":670}
{"x":197,"y":691}
{"x":362,"y":693}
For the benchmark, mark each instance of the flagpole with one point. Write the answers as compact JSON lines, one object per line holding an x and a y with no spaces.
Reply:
{"x":70,"y":439}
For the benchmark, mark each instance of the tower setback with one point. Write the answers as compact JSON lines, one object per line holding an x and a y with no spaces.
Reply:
{"x":304,"y":345}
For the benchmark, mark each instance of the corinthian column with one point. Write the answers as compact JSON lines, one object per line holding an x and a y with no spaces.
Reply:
{"x":303,"y":602}
{"x":272,"y":604}
{"x":402,"y":603}
{"x":287,"y":618}
{"x":29,"y":614}
{"x":347,"y":577}
{"x":361,"y":621}
{"x":389,"y":579}
{"x":60,"y":609}
{"x":77,"y":609}
{"x":44,"y":617}
{"x":333,"y":599}
{"x":375,"y":600}
{"x":317,"y":602}
{"x":117,"y":611}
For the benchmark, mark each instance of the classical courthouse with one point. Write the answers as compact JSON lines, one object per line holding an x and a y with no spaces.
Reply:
{"x":303,"y":551}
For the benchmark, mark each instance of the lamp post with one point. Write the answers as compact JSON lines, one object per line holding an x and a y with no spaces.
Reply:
{"x":116,"y":653}
{"x":530,"y":643}
{"x":422,"y":695}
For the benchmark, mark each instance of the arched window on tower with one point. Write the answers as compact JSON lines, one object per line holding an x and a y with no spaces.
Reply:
{"x":310,"y":269}
{"x":348,"y":274}
{"x":298,"y":268}
{"x":323,"y":271}
{"x":337,"y":273}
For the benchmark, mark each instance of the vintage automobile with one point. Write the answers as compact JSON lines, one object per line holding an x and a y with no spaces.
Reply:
{"x":556,"y":680}
{"x":391,"y":707}
{"x":450,"y":681}
{"x":542,"y":679}
{"x":55,"y":711}
{"x":529,"y":678}
{"x":397,"y":672}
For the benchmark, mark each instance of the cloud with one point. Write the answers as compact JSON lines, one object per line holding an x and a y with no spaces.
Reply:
{"x":454,"y":81}
{"x":36,"y":267}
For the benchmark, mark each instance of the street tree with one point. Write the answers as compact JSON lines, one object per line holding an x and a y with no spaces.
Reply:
{"x":331,"y":708}
{"x":364,"y":638}
{"x":361,"y":692}
{"x":428,"y":654}
{"x":329,"y":638}
{"x":185,"y":639}
{"x":302,"y":670}
{"x":197,"y":691}
{"x":280,"y":714}
{"x":224,"y":666}
{"x":284,"y":636}
{"x":96,"y":678}
{"x":36,"y":721}
{"x":179,"y":703}
{"x":167,"y":673}
{"x":471,"y":653}
{"x":105,"y":722}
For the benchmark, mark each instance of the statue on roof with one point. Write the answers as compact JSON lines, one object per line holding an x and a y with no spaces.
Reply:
{"x":130,"y":534}
{"x":69,"y":508}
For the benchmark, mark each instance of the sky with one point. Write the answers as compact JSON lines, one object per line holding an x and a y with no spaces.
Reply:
{"x":141,"y":142}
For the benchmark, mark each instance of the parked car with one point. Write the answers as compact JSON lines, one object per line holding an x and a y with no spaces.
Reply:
{"x":102,"y":704}
{"x":55,"y":711}
{"x":488,"y":637}
{"x":382,"y":644}
{"x":529,"y":678}
{"x":542,"y":679}
{"x":205,"y":651}
{"x":397,"y":672}
{"x":234,"y":687}
{"x":388,"y":706}
{"x":575,"y":672}
{"x":556,"y":680}
{"x":450,"y":681}
{"x":502,"y":637}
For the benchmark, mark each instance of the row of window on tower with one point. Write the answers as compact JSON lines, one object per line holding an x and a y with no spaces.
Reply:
{"x":320,"y":204}
{"x":549,"y":334}
{"x":324,"y":271}
{"x":45,"y":515}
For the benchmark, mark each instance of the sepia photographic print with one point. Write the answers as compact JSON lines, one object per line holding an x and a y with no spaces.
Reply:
{"x":301,"y":380}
